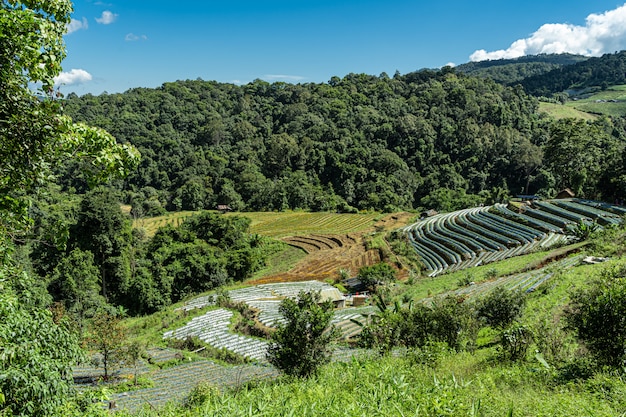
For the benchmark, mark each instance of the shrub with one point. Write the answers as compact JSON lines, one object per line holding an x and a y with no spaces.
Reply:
{"x":200,"y":394}
{"x":501,"y":307}
{"x":598,"y":316}
{"x":582,"y":230}
{"x":465,"y":280}
{"x":492,"y":273}
{"x":515,"y":342}
{"x":383,"y":331}
{"x":372,"y":276}
{"x":447,"y":320}
{"x":300,"y":346}
{"x":450,"y":318}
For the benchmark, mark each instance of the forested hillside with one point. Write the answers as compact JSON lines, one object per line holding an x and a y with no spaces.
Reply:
{"x":425,"y":139}
{"x":512,"y":71}
{"x":609,"y":69}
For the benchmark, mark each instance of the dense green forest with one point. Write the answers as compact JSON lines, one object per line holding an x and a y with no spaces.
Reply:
{"x":512,"y":71}
{"x":609,"y":69}
{"x":433,"y":139}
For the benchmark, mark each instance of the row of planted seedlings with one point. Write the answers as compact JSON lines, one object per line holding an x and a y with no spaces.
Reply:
{"x":456,"y":240}
{"x":557,"y":210}
{"x":480,"y":235}
{"x":213,"y":329}
{"x":617,"y":209}
{"x":528,"y":281}
{"x":175,"y":383}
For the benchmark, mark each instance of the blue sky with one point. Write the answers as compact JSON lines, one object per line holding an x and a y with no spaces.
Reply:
{"x":116,"y":45}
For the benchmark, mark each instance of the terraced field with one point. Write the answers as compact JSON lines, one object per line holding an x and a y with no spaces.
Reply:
{"x":283,"y":224}
{"x":480,"y":235}
{"x":331,"y":241}
{"x":266,"y":299}
{"x":326,"y":255}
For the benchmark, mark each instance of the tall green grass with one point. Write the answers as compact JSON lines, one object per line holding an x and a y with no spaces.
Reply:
{"x":455,"y":385}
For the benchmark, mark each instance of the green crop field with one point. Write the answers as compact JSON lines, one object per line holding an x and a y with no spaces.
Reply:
{"x":560,"y":111}
{"x":590,"y":104}
{"x":298,"y":223}
{"x":609,"y":102}
{"x":281,"y":224}
{"x":152,"y":224}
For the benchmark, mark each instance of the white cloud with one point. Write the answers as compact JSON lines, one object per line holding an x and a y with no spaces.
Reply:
{"x":76,"y":24}
{"x":131,"y":37}
{"x":74,"y":76}
{"x":280,"y":77}
{"x":602,"y":33}
{"x":107,"y":18}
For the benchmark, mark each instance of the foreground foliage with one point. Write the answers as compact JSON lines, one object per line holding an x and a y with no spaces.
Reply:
{"x":453,"y":385}
{"x":37,"y":350}
{"x":598,"y":315}
{"x":37,"y":347}
{"x":301,"y":345}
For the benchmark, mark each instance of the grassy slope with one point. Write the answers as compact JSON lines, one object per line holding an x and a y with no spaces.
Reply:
{"x":589,"y":105}
{"x":559,"y":111}
{"x":429,"y":286}
{"x":599,"y":102}
{"x":460,"y":385}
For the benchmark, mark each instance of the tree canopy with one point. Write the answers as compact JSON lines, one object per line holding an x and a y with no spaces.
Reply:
{"x":34,"y":136}
{"x":37,"y":348}
{"x":357,"y":142}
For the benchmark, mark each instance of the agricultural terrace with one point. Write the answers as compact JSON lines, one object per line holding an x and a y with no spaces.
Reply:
{"x":302,"y":223}
{"x":265,"y":298}
{"x":280,"y":224}
{"x":325,"y":256}
{"x":213,"y":327}
{"x":471,"y":237}
{"x":173,"y":376}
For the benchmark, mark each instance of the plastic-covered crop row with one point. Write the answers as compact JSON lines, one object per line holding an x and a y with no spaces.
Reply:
{"x":479,"y":235}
